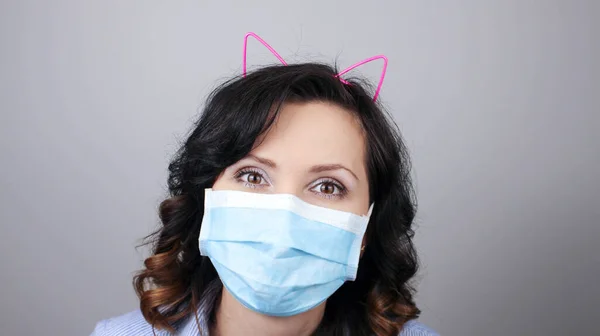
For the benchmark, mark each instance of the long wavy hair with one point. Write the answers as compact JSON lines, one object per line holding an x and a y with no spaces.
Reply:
{"x":176,"y":276}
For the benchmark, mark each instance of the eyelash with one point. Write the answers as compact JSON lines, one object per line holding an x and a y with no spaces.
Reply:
{"x":343,"y":191}
{"x":249,"y":170}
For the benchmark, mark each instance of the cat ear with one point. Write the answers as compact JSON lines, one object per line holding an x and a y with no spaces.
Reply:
{"x":385,"y":62}
{"x":263,"y":43}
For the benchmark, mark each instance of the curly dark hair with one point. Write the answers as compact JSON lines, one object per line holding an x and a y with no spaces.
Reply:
{"x":176,"y":276}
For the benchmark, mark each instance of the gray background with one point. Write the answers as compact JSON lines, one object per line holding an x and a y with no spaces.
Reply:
{"x":498,"y":102}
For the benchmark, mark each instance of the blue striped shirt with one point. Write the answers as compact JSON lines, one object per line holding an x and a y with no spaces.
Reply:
{"x":134,"y":323}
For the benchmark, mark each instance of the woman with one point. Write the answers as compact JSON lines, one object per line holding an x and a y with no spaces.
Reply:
{"x":265,"y":231}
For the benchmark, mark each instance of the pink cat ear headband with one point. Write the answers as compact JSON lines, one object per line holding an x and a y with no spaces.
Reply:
{"x":385,"y":61}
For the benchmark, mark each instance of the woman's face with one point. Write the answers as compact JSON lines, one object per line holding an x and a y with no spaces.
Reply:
{"x":315,"y":151}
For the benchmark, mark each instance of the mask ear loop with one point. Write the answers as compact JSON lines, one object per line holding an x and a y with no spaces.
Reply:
{"x":370,"y":212}
{"x":363,"y":244}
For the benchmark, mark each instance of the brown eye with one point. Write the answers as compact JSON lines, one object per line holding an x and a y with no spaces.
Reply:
{"x":327,"y":188}
{"x":254,"y":178}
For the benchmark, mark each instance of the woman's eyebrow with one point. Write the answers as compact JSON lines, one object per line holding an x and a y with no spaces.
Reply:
{"x":331,"y":167}
{"x":265,"y":161}
{"x":313,"y":169}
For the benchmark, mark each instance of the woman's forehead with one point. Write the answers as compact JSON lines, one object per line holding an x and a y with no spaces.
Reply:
{"x":314,"y":133}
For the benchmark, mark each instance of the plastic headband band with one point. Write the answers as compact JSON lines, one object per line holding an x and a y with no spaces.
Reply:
{"x":370,"y":59}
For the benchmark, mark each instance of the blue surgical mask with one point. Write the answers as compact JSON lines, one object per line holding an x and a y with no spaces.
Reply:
{"x":276,"y":254}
